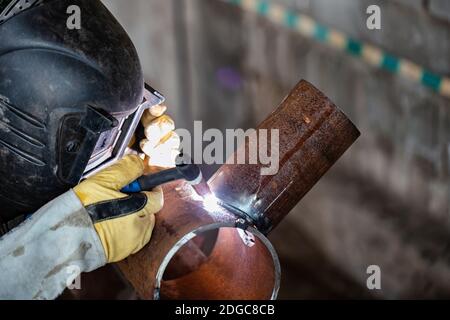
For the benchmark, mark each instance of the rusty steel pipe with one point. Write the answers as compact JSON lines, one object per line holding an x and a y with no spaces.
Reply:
{"x":198,"y":252}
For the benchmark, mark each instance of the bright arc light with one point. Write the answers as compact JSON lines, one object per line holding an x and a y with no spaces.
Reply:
{"x":211,"y":203}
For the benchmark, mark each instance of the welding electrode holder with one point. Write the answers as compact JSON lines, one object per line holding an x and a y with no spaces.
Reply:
{"x":190,"y":172}
{"x":183,"y":170}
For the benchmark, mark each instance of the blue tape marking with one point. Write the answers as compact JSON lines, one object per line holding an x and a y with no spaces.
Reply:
{"x":390,"y":63}
{"x":321,"y":33}
{"x":290,"y":19}
{"x":263,"y":7}
{"x":235,"y":2}
{"x":431,"y":80}
{"x":354,"y":47}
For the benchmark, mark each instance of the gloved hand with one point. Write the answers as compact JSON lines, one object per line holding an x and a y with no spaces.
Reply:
{"x":124,"y":223}
{"x":161,"y":144}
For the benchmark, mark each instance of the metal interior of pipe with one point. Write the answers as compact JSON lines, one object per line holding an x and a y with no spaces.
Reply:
{"x":231,"y":262}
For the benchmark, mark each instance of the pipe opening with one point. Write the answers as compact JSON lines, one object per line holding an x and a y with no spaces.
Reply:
{"x":220,"y":262}
{"x":191,"y":255}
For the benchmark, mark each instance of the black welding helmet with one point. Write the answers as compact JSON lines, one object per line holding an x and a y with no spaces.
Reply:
{"x":70,"y":99}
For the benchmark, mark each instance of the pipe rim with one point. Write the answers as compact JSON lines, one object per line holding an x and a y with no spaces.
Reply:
{"x":189,"y":236}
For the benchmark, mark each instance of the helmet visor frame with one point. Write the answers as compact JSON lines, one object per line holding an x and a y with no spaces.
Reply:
{"x":112,"y":145}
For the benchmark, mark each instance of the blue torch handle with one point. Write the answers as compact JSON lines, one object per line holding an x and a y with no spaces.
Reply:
{"x":189,"y":172}
{"x":133,"y":187}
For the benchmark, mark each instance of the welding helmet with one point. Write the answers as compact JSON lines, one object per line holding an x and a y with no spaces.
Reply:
{"x":70,"y":98}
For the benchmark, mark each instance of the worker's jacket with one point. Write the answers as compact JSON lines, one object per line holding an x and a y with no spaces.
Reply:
{"x":41,"y":257}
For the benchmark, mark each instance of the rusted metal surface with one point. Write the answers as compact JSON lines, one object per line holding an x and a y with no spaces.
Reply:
{"x":313,"y":134}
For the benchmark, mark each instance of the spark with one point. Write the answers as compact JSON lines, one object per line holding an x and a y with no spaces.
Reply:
{"x":211,"y":203}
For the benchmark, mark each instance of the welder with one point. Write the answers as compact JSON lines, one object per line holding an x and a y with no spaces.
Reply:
{"x":70,"y":103}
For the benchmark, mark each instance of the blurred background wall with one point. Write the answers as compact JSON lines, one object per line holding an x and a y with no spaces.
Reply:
{"x":387,"y":201}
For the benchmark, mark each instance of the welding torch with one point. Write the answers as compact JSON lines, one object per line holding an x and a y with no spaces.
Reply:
{"x":193,"y":175}
{"x":184,"y":169}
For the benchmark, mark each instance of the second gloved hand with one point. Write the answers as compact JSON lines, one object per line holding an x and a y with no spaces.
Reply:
{"x":124,"y":223}
{"x":162,"y":144}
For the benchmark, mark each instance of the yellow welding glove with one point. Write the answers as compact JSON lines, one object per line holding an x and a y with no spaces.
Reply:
{"x":124,"y":223}
{"x":162,"y":144}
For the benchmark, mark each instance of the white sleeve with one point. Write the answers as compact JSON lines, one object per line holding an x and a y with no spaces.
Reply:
{"x":38,"y":258}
